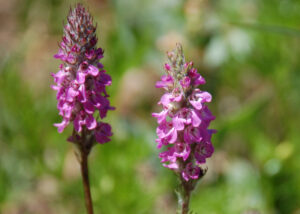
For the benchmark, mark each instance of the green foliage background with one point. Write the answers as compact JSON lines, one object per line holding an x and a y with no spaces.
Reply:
{"x":248,"y":51}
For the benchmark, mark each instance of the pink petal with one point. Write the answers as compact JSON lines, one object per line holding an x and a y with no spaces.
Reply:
{"x":178,"y":123}
{"x":61,"y":126}
{"x":80,"y":77}
{"x":165,"y":99}
{"x":206,"y":97}
{"x":171,"y":165}
{"x":93,"y":70}
{"x":195,"y":119}
{"x":161,"y":116}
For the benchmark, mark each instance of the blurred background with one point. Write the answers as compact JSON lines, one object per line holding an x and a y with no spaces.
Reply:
{"x":248,"y":51}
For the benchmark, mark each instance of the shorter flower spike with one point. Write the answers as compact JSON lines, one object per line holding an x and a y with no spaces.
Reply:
{"x":183,"y":123}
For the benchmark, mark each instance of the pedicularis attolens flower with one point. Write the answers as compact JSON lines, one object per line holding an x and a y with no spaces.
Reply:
{"x":81,"y":81}
{"x":183,"y":122}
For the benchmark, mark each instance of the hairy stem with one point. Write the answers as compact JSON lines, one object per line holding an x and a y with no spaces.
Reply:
{"x":86,"y":182}
{"x":185,"y":206}
{"x":185,"y":199}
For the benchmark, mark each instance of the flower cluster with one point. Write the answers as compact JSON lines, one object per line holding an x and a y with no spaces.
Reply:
{"x":81,"y":81}
{"x":184,"y":120}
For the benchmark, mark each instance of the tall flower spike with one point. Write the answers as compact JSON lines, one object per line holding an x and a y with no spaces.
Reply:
{"x":183,"y":123}
{"x":81,"y":88}
{"x":81,"y":81}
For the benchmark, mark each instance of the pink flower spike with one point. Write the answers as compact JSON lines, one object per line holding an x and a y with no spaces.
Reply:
{"x":81,"y":81}
{"x":183,"y":123}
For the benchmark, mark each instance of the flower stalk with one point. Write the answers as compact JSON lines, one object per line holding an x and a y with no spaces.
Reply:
{"x":86,"y":182}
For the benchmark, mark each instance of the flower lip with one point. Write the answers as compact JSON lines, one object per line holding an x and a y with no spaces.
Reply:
{"x":198,"y":98}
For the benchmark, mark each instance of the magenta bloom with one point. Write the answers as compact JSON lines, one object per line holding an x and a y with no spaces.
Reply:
{"x":81,"y":81}
{"x":183,"y":122}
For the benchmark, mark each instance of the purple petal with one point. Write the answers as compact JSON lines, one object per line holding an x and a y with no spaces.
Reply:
{"x":77,"y":124}
{"x":60,"y":55}
{"x":105,"y":79}
{"x":166,"y":82}
{"x":100,"y":138}
{"x":88,"y":107}
{"x":103,"y":132}
{"x":186,"y":82}
{"x":167,"y":67}
{"x":185,"y":176}
{"x":90,"y":122}
{"x":71,"y":94}
{"x":199,"y":81}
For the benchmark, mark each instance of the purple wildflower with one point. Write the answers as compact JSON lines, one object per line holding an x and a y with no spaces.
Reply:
{"x":81,"y":81}
{"x":81,"y":90}
{"x":184,"y":120}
